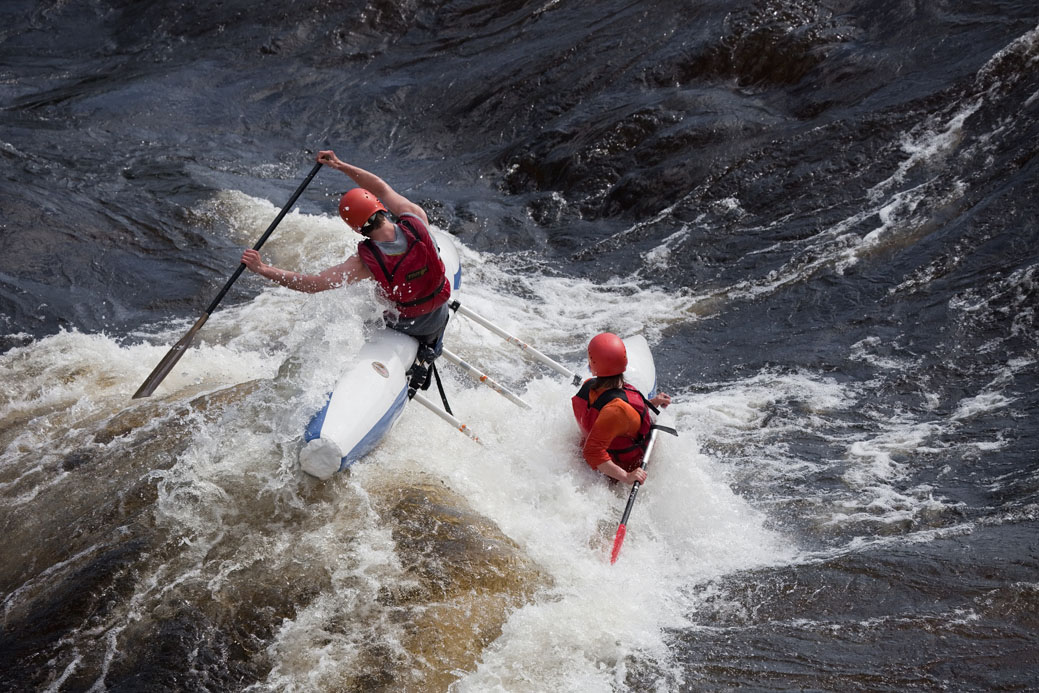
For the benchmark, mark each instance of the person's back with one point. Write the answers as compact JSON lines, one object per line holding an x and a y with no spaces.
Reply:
{"x":614,"y":420}
{"x":613,"y":415}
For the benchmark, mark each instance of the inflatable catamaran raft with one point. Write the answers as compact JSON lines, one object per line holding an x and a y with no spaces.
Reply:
{"x":349,"y":426}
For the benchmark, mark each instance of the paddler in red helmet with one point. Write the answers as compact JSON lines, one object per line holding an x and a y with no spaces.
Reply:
{"x":397,"y":252}
{"x":613,"y":415}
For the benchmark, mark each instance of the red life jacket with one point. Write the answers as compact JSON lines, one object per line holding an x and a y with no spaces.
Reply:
{"x":625,"y":451}
{"x":417,"y":283}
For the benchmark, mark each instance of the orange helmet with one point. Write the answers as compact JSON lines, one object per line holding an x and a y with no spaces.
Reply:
{"x":357,"y":206}
{"x":606,"y":355}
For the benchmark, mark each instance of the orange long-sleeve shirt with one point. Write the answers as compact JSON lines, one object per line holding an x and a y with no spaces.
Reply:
{"x":617,"y":418}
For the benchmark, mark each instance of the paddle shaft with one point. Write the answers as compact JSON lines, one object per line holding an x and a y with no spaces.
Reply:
{"x":170,"y":360}
{"x":266,"y":235}
{"x":622,"y":530}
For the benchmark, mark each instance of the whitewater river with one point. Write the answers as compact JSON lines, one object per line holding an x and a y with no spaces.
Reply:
{"x":821,"y":216}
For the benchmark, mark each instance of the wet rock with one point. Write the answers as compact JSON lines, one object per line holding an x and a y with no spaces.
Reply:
{"x":134,"y":417}
{"x":102,"y":485}
{"x":463,"y":577}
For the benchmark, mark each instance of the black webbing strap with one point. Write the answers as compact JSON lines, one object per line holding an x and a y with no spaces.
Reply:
{"x":440,"y":386}
{"x":665,"y":429}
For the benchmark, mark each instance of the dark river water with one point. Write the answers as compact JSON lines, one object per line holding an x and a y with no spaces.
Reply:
{"x":822,"y":215}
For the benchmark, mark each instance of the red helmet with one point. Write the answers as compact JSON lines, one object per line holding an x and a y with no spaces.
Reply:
{"x":357,"y":206}
{"x":607,"y":355}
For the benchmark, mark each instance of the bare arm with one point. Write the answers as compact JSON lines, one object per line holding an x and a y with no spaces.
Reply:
{"x":611,"y":470}
{"x":394,"y":201}
{"x":353,"y":270}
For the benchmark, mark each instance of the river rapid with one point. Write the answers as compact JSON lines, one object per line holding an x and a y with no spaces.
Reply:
{"x":822,"y":216}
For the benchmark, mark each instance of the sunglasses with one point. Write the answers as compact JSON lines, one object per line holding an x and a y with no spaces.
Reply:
{"x":370,"y":225}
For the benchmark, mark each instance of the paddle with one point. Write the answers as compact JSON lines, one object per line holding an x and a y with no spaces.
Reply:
{"x":174,"y":354}
{"x":623,"y":529}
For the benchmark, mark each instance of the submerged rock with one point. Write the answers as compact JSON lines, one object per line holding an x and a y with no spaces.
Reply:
{"x":462,"y":578}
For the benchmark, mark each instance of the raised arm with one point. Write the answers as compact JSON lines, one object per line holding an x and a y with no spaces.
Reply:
{"x":394,"y":201}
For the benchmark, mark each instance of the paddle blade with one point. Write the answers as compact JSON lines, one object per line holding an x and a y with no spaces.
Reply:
{"x":169,"y":361}
{"x":617,"y":541}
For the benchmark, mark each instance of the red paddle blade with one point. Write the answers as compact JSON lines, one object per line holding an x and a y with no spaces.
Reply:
{"x":617,"y":541}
